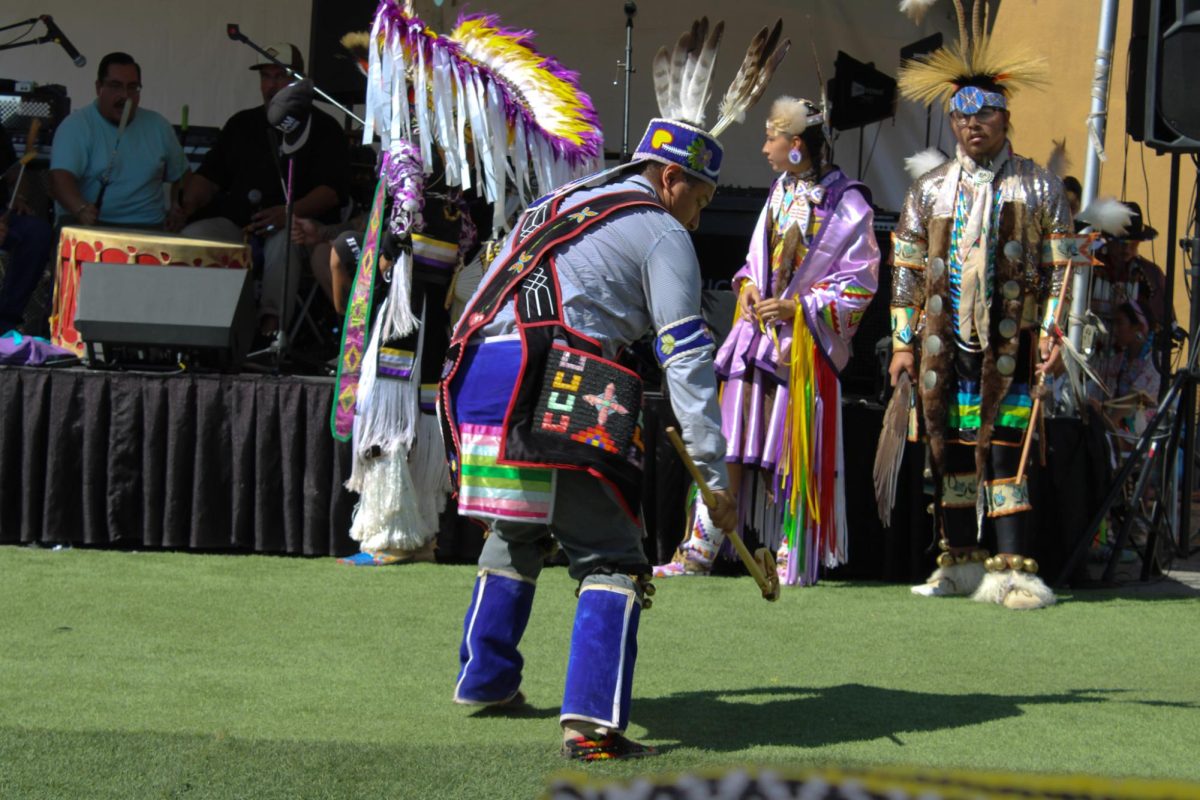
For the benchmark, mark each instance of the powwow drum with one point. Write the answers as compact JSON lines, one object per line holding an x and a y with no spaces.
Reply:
{"x":78,"y":245}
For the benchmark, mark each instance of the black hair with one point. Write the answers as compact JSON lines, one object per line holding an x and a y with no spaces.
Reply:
{"x":986,"y":82}
{"x":814,"y":142}
{"x":653,"y":169}
{"x":116,"y":58}
{"x":1071,"y":184}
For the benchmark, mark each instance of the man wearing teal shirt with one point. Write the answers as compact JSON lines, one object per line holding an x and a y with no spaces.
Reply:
{"x":99,"y":175}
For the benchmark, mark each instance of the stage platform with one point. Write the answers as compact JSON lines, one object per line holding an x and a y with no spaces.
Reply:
{"x":189,"y":461}
{"x":246,"y":463}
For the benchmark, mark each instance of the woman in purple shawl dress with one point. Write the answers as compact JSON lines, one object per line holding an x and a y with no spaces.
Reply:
{"x":809,"y":276}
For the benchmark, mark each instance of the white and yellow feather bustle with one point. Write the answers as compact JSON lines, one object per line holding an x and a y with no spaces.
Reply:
{"x":485,"y":99}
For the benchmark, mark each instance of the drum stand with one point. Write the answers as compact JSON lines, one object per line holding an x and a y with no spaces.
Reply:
{"x":1181,"y":396}
{"x":280,"y":346}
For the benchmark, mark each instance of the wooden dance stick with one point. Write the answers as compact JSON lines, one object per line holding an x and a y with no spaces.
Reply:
{"x":1034,"y":414}
{"x":769,"y":586}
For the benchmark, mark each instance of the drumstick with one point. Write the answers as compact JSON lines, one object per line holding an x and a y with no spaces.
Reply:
{"x":769,"y":592}
{"x":30,"y":154}
{"x":106,"y":177}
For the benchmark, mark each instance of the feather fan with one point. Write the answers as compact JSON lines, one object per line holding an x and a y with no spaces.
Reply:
{"x":889,"y":453}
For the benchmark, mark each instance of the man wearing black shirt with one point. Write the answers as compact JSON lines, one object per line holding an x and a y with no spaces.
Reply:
{"x":245,"y":164}
{"x":25,"y":237}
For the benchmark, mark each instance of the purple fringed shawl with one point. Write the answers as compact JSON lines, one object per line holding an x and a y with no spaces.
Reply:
{"x":833,"y":284}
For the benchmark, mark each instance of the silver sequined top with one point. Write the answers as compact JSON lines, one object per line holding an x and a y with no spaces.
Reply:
{"x":1023,"y":182}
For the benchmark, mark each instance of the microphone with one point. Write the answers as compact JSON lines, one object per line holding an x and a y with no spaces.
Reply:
{"x":290,"y":112}
{"x":255,"y":198}
{"x":234,"y":32}
{"x":58,"y":37}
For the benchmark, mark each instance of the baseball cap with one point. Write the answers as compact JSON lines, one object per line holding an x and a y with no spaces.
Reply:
{"x":286,"y":52}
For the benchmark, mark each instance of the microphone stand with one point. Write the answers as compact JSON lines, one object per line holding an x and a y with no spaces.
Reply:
{"x":235,"y":33}
{"x":43,"y":39}
{"x":630,"y":11}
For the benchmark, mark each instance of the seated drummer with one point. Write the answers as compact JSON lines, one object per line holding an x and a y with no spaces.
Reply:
{"x":96,"y":179}
{"x":240,"y":185}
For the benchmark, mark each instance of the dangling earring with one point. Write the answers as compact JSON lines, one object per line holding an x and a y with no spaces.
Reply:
{"x":795,"y":156}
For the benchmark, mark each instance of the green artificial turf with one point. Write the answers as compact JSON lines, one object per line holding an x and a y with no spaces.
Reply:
{"x":129,"y":675}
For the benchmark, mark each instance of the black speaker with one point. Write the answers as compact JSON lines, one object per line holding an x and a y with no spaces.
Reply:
{"x":329,"y":64}
{"x":1135,"y":77}
{"x":860,"y":94}
{"x":209,"y":310}
{"x":1172,"y":106}
{"x":1179,"y":103}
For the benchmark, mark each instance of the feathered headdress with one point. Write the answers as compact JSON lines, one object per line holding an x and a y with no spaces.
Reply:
{"x":793,"y":116}
{"x":682,"y":77}
{"x":491,"y":107}
{"x":485,"y":98}
{"x":974,"y":72}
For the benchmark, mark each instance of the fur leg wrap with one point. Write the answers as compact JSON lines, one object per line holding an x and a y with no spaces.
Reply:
{"x":957,"y":579}
{"x":491,"y":664}
{"x":603,"y":652}
{"x":1014,"y":589}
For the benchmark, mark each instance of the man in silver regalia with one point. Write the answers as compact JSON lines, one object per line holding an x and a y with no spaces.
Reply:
{"x":979,"y":258}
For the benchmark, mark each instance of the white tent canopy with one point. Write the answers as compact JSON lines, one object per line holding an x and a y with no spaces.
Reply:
{"x":187,"y":59}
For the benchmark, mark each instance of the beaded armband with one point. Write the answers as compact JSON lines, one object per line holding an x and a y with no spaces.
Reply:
{"x":689,"y":333}
{"x":904,"y":328}
{"x":1058,"y":249}
{"x":908,"y":253}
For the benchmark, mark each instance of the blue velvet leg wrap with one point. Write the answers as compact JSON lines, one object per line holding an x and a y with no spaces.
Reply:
{"x":492,"y":629}
{"x":603,"y":652}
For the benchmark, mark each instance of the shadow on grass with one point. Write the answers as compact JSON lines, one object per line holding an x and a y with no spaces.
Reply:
{"x":796,"y":716}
